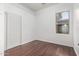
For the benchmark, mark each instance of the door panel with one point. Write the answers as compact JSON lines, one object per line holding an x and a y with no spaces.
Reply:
{"x":13,"y":30}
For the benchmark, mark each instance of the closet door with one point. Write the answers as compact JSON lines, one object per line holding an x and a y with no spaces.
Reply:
{"x":13,"y":30}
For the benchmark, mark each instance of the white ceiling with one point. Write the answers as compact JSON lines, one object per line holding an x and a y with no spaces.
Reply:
{"x":36,"y":6}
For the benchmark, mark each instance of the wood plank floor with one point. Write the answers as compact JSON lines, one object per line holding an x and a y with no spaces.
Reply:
{"x":40,"y":48}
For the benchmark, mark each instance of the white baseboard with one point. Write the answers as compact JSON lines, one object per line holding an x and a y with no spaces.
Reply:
{"x":75,"y":51}
{"x":1,"y":53}
{"x":59,"y":43}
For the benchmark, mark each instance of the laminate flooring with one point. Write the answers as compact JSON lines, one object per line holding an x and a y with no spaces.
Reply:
{"x":40,"y":48}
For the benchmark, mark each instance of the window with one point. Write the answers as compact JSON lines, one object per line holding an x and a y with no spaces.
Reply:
{"x":62,"y":22}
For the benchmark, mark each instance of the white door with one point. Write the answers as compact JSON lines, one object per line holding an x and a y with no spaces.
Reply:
{"x":13,"y":30}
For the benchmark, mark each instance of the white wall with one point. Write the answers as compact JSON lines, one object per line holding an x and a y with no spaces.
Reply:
{"x":46,"y":25}
{"x":2,"y":35}
{"x":76,"y":28}
{"x":28,"y":20}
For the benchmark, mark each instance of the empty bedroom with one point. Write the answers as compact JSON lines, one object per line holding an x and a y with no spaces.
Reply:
{"x":40,"y":29}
